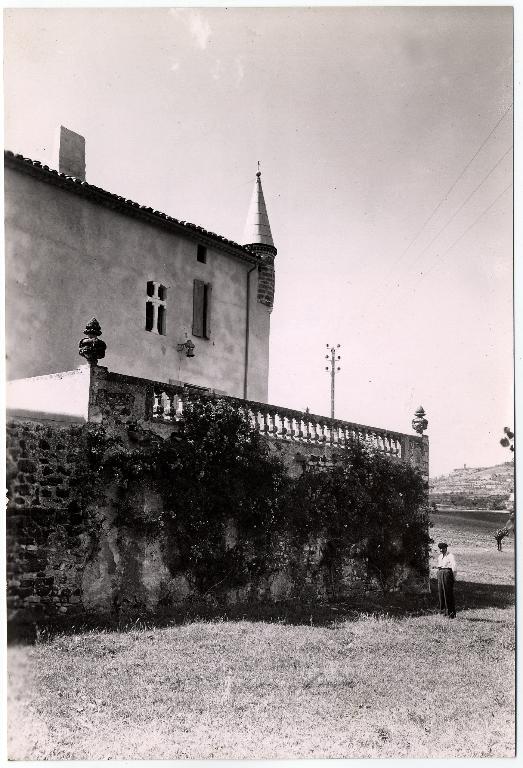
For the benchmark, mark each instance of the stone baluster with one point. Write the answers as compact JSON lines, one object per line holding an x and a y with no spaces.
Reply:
{"x":170,"y":412}
{"x":158,"y":409}
{"x":256,"y":419}
{"x":179,"y":407}
{"x":307,"y":429}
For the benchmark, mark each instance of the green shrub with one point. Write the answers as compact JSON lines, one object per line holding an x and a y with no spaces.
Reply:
{"x":367,"y":506}
{"x":228,"y":503}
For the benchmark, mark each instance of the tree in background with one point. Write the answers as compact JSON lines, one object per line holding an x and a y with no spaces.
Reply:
{"x":507,"y":442}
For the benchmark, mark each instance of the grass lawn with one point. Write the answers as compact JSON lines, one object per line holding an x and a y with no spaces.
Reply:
{"x":375,"y":680}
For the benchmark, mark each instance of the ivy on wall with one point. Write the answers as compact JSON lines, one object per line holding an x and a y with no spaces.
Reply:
{"x":368,"y":507}
{"x":228,"y":503}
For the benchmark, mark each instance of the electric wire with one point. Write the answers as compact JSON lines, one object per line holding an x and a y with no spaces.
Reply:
{"x":463,"y":204}
{"x":485,"y":211}
{"x":445,"y":196}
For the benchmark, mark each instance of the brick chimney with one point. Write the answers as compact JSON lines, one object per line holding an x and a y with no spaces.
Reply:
{"x":71,"y":158}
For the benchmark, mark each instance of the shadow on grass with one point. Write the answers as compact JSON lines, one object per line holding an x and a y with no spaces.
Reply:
{"x":469,"y":595}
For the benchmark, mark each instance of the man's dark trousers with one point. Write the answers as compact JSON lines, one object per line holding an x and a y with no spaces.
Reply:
{"x":446,"y":591}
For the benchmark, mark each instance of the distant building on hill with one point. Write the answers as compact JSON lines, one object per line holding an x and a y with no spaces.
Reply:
{"x":488,"y":485}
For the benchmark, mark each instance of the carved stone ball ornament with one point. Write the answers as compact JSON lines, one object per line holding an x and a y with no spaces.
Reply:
{"x":419,"y":422}
{"x":91,"y":347}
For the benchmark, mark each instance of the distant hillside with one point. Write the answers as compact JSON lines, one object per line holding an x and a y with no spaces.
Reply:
{"x":487,"y":487}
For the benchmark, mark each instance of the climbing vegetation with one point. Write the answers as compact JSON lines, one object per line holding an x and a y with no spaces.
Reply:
{"x":229,"y":513}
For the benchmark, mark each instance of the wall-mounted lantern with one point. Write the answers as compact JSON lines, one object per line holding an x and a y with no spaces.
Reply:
{"x":187,"y":347}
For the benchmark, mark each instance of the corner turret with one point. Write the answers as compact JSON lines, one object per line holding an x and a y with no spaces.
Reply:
{"x":258,"y":238}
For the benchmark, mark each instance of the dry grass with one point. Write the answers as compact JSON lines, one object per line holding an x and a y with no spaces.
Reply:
{"x":356,"y":685}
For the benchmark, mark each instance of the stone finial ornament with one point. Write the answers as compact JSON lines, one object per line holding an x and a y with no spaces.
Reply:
{"x":91,"y":347}
{"x":419,"y":422}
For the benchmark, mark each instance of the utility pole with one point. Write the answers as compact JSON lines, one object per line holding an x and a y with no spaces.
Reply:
{"x":334,"y":370}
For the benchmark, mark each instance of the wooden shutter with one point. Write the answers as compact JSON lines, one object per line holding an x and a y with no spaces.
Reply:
{"x":197,"y":307}
{"x":207,"y":311}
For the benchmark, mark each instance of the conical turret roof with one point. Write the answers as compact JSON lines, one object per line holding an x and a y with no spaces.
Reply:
{"x":257,"y":228}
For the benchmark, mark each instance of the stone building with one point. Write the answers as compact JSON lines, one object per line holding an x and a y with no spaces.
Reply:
{"x":182,"y":309}
{"x":157,"y":285}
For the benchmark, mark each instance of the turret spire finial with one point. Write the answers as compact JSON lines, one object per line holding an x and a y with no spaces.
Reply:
{"x":258,"y":229}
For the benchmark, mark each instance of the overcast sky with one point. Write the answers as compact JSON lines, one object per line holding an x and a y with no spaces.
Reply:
{"x":362,"y":119}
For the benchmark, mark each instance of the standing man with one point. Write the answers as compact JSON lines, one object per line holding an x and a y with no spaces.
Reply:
{"x":447,"y":573}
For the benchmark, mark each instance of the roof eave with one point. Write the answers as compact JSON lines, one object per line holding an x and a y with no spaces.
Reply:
{"x":127,"y":207}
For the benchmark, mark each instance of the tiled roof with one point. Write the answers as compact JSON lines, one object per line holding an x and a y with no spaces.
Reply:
{"x":127,"y":207}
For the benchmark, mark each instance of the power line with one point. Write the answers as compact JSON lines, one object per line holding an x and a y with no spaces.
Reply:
{"x":445,"y":196}
{"x":438,"y":260}
{"x":463,"y":204}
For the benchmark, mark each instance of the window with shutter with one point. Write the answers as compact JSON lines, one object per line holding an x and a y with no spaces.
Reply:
{"x":197,"y":308}
{"x":207,"y":311}
{"x":201,"y":320}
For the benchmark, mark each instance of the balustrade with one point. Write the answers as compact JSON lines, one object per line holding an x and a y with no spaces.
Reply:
{"x":283,"y":423}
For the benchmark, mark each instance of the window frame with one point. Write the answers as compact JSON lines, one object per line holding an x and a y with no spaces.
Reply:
{"x":156,"y":308}
{"x":201,"y":253}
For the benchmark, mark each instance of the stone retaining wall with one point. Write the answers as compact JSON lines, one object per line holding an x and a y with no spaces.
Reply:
{"x":67,"y":559}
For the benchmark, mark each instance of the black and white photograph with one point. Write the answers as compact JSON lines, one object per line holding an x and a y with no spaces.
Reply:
{"x":259,"y":362}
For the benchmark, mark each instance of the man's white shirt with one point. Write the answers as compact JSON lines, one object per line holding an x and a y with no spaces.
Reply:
{"x":448,"y":561}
